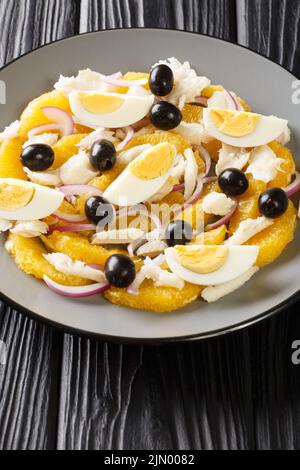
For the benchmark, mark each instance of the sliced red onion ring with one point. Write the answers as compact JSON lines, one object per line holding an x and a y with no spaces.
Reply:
{"x":233,"y":100}
{"x":100,"y":267}
{"x":128,"y":138}
{"x":198,"y":191}
{"x":224,"y":220}
{"x":140,"y":124}
{"x":206,"y":157}
{"x":123,"y":83}
{"x":79,"y":189}
{"x":76,"y":292}
{"x":72,"y":228}
{"x":60,"y":117}
{"x":202,"y":100}
{"x":210,"y":179}
{"x":181,"y":187}
{"x":130,"y":251}
{"x":73,"y":218}
{"x":41,"y":129}
{"x":178,"y":188}
{"x":294,"y":187}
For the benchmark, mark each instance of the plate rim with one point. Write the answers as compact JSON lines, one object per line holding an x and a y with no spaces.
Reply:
{"x":151,"y":341}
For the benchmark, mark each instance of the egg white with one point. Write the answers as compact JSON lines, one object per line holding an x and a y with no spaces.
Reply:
{"x":268,"y":129}
{"x":133,"y":109}
{"x":44,"y":202}
{"x":240,"y":259}
{"x":128,"y":190}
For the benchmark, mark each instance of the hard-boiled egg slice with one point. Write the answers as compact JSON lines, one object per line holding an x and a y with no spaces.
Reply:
{"x":206,"y":265}
{"x":242,"y":129}
{"x":22,"y":200}
{"x":109,"y":109}
{"x":144,"y":177}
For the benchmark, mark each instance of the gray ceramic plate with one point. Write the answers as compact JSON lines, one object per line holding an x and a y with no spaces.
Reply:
{"x":265,"y":85}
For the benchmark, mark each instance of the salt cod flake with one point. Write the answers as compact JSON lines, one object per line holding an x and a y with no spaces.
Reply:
{"x":248,"y":229}
{"x":30,"y":229}
{"x":214,"y":293}
{"x":77,"y":170}
{"x":217,"y":204}
{"x":67,"y":266}
{"x":187,"y":84}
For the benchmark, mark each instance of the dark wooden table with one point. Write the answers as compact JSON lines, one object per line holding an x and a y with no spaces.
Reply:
{"x":235,"y":392}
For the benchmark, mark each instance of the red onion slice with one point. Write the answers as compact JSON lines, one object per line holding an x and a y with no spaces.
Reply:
{"x":197,"y":193}
{"x":60,"y":117}
{"x":181,"y":187}
{"x":206,"y":157}
{"x":202,"y":100}
{"x":110,"y":80}
{"x":140,"y":124}
{"x":79,"y":189}
{"x":224,"y":220}
{"x":210,"y":179}
{"x":294,"y":187}
{"x":41,"y":129}
{"x":73,"y":218}
{"x":76,"y":292}
{"x":100,"y":267}
{"x":233,"y":100}
{"x":128,"y":138}
{"x":72,"y":228}
{"x":130,"y":251}
{"x":178,"y":188}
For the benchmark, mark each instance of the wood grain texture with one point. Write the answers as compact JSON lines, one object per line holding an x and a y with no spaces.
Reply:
{"x":216,"y":17}
{"x":29,"y":381}
{"x":234,"y":392}
{"x":271,"y":27}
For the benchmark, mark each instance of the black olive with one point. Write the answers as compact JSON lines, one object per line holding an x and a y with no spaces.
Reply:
{"x":38,"y":157}
{"x":161,"y":80}
{"x":233,"y":182}
{"x":178,"y":232}
{"x":99,"y":211}
{"x":273,"y":203}
{"x":165,"y":116}
{"x":120,"y":271}
{"x":103,"y":155}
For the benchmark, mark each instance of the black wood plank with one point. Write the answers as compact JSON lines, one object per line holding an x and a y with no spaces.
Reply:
{"x":216,"y":17}
{"x":271,"y":27}
{"x":29,"y":382}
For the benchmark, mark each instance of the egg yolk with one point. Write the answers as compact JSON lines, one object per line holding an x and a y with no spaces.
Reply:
{"x":98,"y":103}
{"x":15,"y":196}
{"x":154,"y":163}
{"x":234,"y":123}
{"x":203,"y":259}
